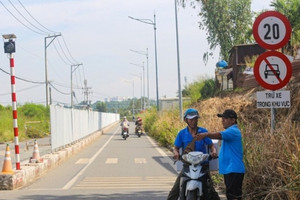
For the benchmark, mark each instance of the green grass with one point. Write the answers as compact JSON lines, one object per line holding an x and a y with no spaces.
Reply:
{"x":32,"y":122}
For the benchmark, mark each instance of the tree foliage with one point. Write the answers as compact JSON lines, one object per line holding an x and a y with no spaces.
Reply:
{"x":200,"y":90}
{"x":290,"y":9}
{"x":227,"y":23}
{"x":34,"y":110}
{"x":101,"y":107}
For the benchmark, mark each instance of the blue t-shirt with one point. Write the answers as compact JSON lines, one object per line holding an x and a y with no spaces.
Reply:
{"x":231,"y":152}
{"x":184,"y":137}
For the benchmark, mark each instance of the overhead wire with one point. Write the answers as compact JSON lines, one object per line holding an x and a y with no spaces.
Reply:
{"x":35,"y":19}
{"x":27,"y":19}
{"x":68,"y":49}
{"x":21,"y":90}
{"x":20,"y":20}
{"x":29,"y":81}
{"x":34,"y":82}
{"x":71,"y":63}
{"x":39,"y":31}
{"x":60,"y":56}
{"x":59,"y":90}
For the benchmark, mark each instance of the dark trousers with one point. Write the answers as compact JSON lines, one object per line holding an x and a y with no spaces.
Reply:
{"x":233,"y":183}
{"x":211,"y":192}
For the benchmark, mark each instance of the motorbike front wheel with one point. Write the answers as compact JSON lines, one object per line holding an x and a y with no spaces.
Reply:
{"x":192,"y":195}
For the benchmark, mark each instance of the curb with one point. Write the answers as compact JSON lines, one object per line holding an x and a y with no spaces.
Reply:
{"x":30,"y":171}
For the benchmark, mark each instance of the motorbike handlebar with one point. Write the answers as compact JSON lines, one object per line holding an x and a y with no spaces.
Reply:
{"x":208,"y":159}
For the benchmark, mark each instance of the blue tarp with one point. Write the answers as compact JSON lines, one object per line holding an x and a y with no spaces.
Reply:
{"x":222,"y":64}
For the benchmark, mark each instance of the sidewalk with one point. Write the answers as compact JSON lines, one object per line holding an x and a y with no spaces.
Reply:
{"x":26,"y":149}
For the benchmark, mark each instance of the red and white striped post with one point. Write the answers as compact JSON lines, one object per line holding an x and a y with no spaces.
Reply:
{"x":15,"y":114}
{"x":9,"y":47}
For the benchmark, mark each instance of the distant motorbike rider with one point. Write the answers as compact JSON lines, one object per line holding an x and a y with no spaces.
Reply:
{"x":139,"y":124}
{"x":124,"y":124}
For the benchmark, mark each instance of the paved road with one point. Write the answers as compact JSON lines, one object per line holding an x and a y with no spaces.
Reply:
{"x":109,"y":168}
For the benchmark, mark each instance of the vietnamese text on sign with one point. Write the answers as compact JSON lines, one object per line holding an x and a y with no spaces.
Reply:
{"x":273,"y":99}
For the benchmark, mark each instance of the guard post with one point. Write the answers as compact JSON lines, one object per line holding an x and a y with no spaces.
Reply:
{"x":10,"y":48}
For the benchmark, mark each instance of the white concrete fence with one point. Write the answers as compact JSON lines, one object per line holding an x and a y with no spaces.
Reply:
{"x":70,"y":125}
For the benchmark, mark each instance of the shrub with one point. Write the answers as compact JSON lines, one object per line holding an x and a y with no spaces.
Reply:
{"x":33,"y":110}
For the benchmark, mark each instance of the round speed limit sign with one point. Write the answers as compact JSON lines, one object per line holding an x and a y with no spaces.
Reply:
{"x":272,"y":30}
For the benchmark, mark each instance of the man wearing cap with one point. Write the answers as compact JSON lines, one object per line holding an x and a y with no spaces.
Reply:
{"x":231,"y":163}
{"x":185,"y":140}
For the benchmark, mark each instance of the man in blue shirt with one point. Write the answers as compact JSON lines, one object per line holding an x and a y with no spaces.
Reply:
{"x":231,"y":163}
{"x":185,"y":137}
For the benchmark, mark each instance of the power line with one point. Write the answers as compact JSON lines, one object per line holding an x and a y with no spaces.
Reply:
{"x":20,"y":20}
{"x":71,"y":63}
{"x":68,"y":49}
{"x":29,"y":81}
{"x":26,"y":18}
{"x":35,"y":19}
{"x":22,"y":90}
{"x":58,"y":90}
{"x":60,"y":56}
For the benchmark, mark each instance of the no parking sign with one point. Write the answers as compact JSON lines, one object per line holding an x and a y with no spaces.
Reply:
{"x":272,"y":70}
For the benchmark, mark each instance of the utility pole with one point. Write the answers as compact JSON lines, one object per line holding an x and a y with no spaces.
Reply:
{"x":86,"y":92}
{"x":72,"y":70}
{"x":46,"y":65}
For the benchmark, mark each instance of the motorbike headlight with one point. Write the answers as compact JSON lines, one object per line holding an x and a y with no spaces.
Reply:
{"x":195,"y":157}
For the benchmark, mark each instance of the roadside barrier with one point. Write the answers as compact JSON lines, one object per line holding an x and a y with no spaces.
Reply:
{"x":7,"y":166}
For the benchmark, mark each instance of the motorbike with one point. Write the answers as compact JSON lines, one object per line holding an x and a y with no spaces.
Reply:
{"x":125,"y":133}
{"x":138,"y":131}
{"x":194,"y":175}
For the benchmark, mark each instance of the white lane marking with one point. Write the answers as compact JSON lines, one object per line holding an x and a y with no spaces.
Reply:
{"x":74,"y":179}
{"x":111,"y":161}
{"x":125,"y":183}
{"x":82,"y":161}
{"x":140,"y":161}
{"x":162,"y":153}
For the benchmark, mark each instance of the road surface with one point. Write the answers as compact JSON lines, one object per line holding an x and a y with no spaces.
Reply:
{"x":109,"y":168}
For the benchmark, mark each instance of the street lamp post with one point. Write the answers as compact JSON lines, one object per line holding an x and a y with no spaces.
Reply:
{"x":147,"y":57}
{"x":143,"y":82}
{"x":140,"y":76}
{"x":178,"y":65}
{"x":132,"y":95}
{"x":153,"y":23}
{"x":46,"y":65}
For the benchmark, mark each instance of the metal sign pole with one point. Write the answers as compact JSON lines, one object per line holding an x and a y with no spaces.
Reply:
{"x":273,"y":120}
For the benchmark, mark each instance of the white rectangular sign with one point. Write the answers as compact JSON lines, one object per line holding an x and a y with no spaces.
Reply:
{"x":273,"y":99}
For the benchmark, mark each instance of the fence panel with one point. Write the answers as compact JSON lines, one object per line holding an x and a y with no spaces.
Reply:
{"x":70,"y":125}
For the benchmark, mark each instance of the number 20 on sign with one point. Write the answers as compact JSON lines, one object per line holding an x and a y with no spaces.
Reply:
{"x":271,"y":30}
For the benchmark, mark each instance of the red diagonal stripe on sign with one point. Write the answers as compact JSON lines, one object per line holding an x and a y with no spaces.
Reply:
{"x":273,"y":70}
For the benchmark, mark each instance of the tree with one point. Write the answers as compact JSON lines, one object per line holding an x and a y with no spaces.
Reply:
{"x":227,"y":23}
{"x":290,"y":9}
{"x":101,"y":107}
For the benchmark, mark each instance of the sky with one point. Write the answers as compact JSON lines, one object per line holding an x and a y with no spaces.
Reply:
{"x":105,"y":47}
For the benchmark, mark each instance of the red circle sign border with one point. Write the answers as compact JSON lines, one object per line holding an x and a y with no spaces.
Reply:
{"x":283,"y":19}
{"x":288,"y":71}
